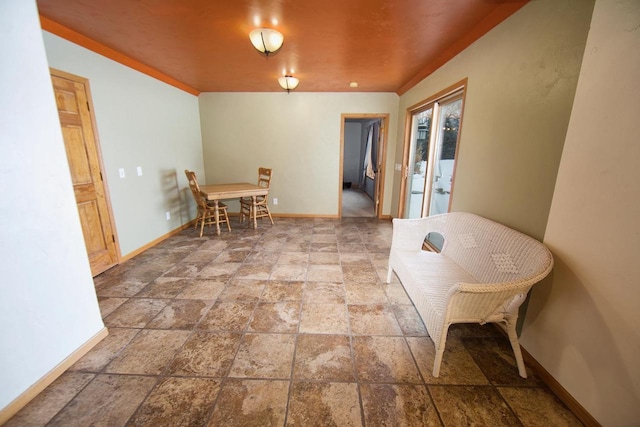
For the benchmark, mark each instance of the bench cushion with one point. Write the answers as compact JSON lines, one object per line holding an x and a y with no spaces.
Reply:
{"x":427,"y":278}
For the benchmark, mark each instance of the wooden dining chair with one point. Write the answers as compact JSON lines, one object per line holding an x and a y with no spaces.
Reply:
{"x":206,"y":212}
{"x":262,"y":207}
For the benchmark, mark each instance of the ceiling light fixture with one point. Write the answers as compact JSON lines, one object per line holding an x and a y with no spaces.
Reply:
{"x":288,"y":83}
{"x":266,"y":40}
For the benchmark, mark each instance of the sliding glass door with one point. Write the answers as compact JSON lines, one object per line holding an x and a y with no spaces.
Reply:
{"x":430,"y":167}
{"x":444,"y":156}
{"x":420,"y":131}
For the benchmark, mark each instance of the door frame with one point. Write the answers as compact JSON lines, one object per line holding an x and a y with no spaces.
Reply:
{"x":94,"y":129}
{"x":382,"y":158}
{"x":461,"y":85}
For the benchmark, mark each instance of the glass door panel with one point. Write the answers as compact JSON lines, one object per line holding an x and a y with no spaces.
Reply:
{"x":418,"y":159}
{"x":444,"y":156}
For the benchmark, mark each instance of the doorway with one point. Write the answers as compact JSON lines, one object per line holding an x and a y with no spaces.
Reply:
{"x":362,"y":159}
{"x":73,"y":100}
{"x":433,"y":130}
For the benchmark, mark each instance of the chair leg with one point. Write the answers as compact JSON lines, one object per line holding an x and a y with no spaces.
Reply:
{"x":195,"y":226}
{"x":515,"y":345}
{"x":269,"y":213}
{"x":198,"y":219}
{"x":243,"y":214}
{"x":203,"y":220}
{"x":440,"y":345}
{"x":248,"y":215}
{"x":262,"y":211}
{"x":226,"y":219}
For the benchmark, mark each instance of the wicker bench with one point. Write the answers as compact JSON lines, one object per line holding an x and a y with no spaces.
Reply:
{"x":481,"y":275}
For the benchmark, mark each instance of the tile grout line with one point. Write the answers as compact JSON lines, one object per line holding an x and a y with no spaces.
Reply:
{"x":353,"y":353}
{"x":293,"y":359}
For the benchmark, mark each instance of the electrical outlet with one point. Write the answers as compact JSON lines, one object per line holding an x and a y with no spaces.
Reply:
{"x":168,"y":214}
{"x":121,"y":172}
{"x":275,"y":200}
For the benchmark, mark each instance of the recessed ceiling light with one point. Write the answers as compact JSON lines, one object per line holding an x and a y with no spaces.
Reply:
{"x":353,"y":84}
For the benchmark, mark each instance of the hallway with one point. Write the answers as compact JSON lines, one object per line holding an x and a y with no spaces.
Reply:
{"x":357,"y":204}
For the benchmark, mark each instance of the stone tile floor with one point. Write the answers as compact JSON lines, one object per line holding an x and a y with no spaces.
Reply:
{"x":289,"y":324}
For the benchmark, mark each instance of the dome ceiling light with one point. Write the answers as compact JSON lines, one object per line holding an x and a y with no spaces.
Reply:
{"x":288,"y":82}
{"x":266,"y":40}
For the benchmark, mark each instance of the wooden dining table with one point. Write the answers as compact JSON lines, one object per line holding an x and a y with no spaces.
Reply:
{"x":217,"y":192}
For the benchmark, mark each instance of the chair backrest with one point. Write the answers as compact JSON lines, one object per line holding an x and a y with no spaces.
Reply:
{"x":264,"y":177}
{"x":195,"y":188}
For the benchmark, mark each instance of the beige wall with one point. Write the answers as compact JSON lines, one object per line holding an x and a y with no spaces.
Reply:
{"x":296,"y":134}
{"x":141,"y":122}
{"x":584,"y":324}
{"x":48,"y":304}
{"x":521,"y":82}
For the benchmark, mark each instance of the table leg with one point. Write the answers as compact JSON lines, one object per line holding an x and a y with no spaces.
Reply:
{"x":216,"y":216}
{"x":253,"y":212}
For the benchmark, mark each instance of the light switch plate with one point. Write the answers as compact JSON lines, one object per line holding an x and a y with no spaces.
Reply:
{"x":121,"y":172}
{"x":139,"y":170}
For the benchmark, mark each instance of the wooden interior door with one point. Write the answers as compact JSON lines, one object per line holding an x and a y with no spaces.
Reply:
{"x":80,"y":140}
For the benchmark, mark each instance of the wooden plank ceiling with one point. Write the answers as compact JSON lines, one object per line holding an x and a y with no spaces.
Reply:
{"x":203,"y":45}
